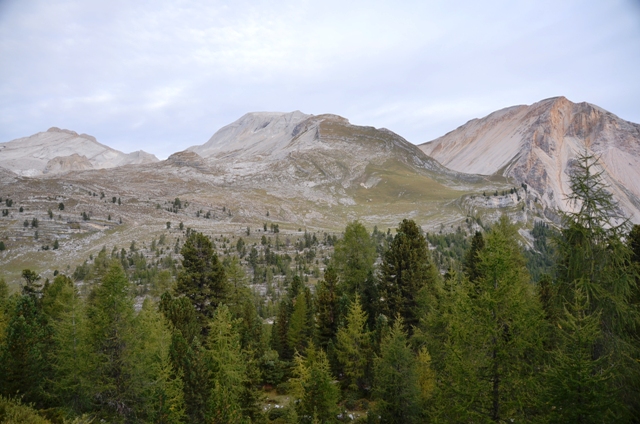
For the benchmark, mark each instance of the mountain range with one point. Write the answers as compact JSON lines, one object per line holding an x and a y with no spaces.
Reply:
{"x":302,"y":171}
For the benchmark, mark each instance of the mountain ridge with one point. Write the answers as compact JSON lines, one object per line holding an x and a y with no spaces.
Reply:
{"x":538,"y":144}
{"x":58,"y":151}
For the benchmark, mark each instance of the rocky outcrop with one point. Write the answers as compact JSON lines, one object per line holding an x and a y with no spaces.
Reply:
{"x":538,"y":144}
{"x":57,"y":150}
{"x":61,"y":164}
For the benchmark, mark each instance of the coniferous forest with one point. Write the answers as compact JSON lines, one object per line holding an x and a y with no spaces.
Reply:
{"x":545,"y":335}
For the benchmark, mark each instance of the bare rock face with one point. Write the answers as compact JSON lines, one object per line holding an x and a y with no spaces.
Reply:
{"x":58,"y":150}
{"x":61,"y":164}
{"x":290,"y":151}
{"x":538,"y":144}
{"x":186,"y":158}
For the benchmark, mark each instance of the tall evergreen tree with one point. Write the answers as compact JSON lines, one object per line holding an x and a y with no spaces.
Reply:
{"x":202,"y":280}
{"x":301,"y":322}
{"x":326,"y":308}
{"x":188,"y":356}
{"x":471,"y":260}
{"x":354,"y":256}
{"x":408,"y":277}
{"x":23,"y":365}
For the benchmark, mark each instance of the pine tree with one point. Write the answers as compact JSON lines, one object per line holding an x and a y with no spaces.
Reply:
{"x":326,"y":308}
{"x":202,"y":279}
{"x":397,"y":385}
{"x":471,"y":261}
{"x":354,"y":256}
{"x":188,"y":356}
{"x":23,"y":365}
{"x":408,"y":278}
{"x":353,"y":349}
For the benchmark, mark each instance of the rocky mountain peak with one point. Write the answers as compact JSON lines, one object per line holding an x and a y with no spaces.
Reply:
{"x":59,"y":150}
{"x":536,"y":145}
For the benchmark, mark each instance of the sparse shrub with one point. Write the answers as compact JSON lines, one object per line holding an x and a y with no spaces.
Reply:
{"x":21,"y":209}
{"x":2,"y":246}
{"x":56,"y":245}
{"x":34,"y":223}
{"x":168,"y":225}
{"x":50,"y":212}
{"x":8,"y":202}
{"x":61,"y":206}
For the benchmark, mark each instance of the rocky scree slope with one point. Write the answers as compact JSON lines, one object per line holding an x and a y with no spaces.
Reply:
{"x":538,"y":144}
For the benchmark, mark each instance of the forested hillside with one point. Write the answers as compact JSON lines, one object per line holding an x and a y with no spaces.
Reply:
{"x":401,"y":327}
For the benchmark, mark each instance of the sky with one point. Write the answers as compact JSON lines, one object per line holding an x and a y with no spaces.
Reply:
{"x":162,"y":75}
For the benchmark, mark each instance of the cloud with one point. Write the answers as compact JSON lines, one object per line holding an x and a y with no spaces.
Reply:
{"x":164,"y":75}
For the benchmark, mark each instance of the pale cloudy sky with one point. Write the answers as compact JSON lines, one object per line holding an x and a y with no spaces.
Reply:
{"x":163,"y":75}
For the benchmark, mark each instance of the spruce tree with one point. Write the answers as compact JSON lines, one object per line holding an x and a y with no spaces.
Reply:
{"x":301,"y":322}
{"x":23,"y":364}
{"x":471,"y":260}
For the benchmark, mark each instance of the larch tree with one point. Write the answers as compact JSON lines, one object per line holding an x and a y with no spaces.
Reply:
{"x":353,"y":350}
{"x":397,"y":386}
{"x":228,"y":368}
{"x":493,"y":347}
{"x":110,"y":316}
{"x":315,"y":396}
{"x":596,"y":261}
